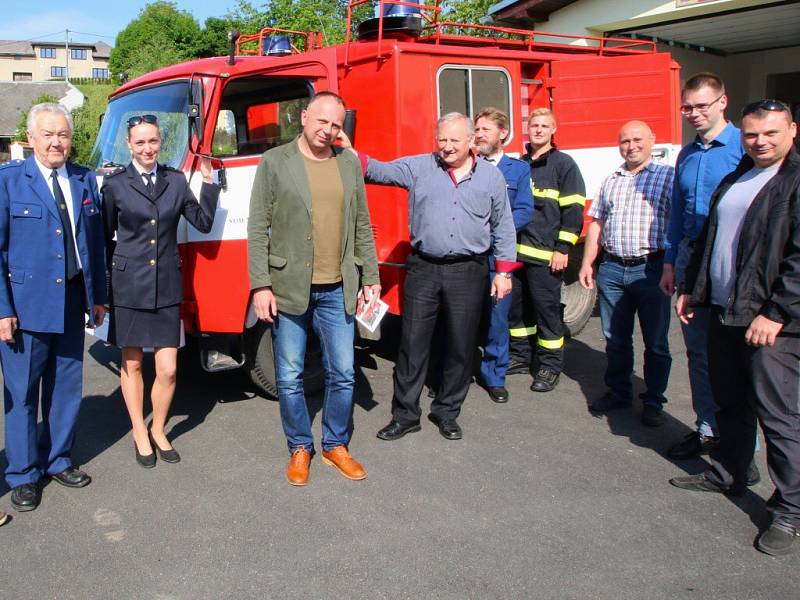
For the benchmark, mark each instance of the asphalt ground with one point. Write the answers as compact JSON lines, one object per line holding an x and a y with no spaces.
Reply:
{"x":539,"y":500}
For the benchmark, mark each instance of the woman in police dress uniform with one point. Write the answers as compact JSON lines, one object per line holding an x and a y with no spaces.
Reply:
{"x":142,"y":205}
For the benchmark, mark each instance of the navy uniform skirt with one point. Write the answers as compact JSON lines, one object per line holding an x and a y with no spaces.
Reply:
{"x":136,"y":327}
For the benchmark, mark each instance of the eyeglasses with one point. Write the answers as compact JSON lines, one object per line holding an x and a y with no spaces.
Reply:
{"x":686,"y":109}
{"x":772,"y":105}
{"x":139,"y":119}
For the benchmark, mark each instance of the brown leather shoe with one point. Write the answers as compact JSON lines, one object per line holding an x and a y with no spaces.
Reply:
{"x":297,"y":471}
{"x":340,"y":458}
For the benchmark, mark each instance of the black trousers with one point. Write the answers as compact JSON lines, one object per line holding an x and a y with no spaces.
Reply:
{"x":535,"y":319}
{"x":454,"y":293}
{"x":753,"y":385}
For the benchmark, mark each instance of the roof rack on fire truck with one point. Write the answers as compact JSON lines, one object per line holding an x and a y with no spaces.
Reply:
{"x":434,"y":31}
{"x":267,"y":42}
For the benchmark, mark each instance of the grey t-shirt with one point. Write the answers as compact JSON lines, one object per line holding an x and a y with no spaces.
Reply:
{"x":731,"y":211}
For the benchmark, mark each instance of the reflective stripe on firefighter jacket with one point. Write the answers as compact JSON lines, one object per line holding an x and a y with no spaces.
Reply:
{"x":559,"y":196}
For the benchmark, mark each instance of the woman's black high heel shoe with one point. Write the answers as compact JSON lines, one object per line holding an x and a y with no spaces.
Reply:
{"x":147,"y":461}
{"x":170,"y":456}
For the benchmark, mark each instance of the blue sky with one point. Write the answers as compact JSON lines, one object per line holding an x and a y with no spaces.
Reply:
{"x":102,"y":20}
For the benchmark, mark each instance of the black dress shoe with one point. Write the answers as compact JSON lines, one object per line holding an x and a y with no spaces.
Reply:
{"x":148,"y":461}
{"x":498,"y":394}
{"x":692,"y":446}
{"x":395,"y":430}
{"x":72,"y":477}
{"x":652,"y":416}
{"x":779,"y":538}
{"x":447,"y":427}
{"x":26,"y":497}
{"x":170,"y":456}
{"x":516,"y":367}
{"x":545,"y":381}
{"x":701,"y":483}
{"x":608,"y":402}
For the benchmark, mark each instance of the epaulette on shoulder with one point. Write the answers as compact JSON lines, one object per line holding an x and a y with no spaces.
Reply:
{"x":116,"y":171}
{"x":11,"y":163}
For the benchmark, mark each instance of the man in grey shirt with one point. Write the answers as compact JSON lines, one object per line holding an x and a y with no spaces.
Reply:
{"x":746,"y":266}
{"x":730,"y":213}
{"x":458,"y":214}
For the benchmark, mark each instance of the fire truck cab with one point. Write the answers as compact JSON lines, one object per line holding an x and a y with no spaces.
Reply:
{"x":398,"y":75}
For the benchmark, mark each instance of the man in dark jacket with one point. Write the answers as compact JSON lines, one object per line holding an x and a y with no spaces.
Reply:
{"x":746,"y":266}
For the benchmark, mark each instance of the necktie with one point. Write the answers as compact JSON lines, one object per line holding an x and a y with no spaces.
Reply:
{"x":148,"y":183}
{"x":66,"y":228}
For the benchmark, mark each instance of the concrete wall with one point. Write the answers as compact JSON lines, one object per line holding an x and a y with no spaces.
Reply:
{"x":745,"y":75}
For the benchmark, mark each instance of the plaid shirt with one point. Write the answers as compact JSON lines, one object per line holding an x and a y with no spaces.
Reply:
{"x":634,"y":210}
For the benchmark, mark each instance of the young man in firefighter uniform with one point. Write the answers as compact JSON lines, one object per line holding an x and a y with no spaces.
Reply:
{"x":559,"y":196}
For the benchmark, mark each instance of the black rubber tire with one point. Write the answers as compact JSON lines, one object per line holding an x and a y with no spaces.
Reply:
{"x":260,"y":362}
{"x":578,"y":302}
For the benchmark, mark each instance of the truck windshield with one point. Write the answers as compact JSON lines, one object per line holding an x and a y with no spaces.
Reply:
{"x":168,"y":102}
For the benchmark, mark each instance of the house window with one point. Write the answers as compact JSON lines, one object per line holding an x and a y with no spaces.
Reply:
{"x":77,"y":53}
{"x":467,"y":89}
{"x":58,"y":71}
{"x":100,"y":73}
{"x":47,"y":52}
{"x":23,"y":76}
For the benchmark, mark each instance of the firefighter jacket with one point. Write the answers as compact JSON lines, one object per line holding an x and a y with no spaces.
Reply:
{"x":559,"y":196}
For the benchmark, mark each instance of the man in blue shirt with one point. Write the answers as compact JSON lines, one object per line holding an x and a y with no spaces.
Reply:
{"x":700,"y":167}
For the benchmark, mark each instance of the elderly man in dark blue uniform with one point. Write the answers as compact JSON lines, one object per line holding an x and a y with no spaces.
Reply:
{"x":52,"y":252}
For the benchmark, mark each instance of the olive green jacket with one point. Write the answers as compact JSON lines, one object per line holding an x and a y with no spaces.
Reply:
{"x":280,"y":247}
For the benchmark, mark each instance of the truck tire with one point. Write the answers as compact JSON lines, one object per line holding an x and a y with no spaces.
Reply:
{"x":577,"y":302}
{"x":260,"y":362}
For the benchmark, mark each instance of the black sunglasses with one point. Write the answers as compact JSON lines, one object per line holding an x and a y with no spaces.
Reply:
{"x":771,"y":105}
{"x":139,"y":119}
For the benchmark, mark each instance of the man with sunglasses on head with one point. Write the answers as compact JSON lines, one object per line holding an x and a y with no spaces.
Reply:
{"x":701,"y":165}
{"x":746,"y":268}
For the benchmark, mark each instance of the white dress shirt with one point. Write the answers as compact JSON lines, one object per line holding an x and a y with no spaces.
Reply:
{"x":66,"y":189}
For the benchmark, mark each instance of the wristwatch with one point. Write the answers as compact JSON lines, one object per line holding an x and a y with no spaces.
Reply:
{"x":506,"y":274}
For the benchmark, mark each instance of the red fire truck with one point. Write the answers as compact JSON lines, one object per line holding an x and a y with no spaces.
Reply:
{"x":398,"y":74}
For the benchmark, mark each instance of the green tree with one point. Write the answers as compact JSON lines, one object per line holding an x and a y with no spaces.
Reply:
{"x":161,"y":35}
{"x":21,"y":134}
{"x":86,"y":120}
{"x":466,"y":11}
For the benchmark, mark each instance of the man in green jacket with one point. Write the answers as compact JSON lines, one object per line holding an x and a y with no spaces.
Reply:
{"x":308,"y":237}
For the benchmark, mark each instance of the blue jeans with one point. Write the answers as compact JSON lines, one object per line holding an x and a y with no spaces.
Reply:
{"x":335,"y":330}
{"x":695,"y":336}
{"x":624,"y":292}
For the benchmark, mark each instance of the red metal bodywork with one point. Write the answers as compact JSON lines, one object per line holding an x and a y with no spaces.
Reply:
{"x":392,"y":84}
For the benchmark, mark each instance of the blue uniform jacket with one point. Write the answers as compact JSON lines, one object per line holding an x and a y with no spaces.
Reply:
{"x":518,"y":186}
{"x":32,"y":245}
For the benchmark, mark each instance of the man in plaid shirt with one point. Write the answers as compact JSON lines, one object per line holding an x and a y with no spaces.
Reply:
{"x":629,"y":222}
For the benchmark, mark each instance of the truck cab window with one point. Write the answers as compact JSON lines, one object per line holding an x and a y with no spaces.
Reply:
{"x":259,"y":113}
{"x":467,"y":89}
{"x":168,"y":102}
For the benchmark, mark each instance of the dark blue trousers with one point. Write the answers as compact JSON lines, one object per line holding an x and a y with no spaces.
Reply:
{"x":495,"y":348}
{"x":52,"y":362}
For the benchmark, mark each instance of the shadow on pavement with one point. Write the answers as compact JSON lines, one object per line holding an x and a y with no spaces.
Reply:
{"x":587,"y":366}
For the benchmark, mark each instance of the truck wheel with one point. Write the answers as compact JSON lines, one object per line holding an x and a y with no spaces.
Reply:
{"x":577,"y":302}
{"x":578,"y":307}
{"x":260,"y":362}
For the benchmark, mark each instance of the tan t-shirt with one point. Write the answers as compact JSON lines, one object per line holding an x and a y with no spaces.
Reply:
{"x":327,"y":214}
